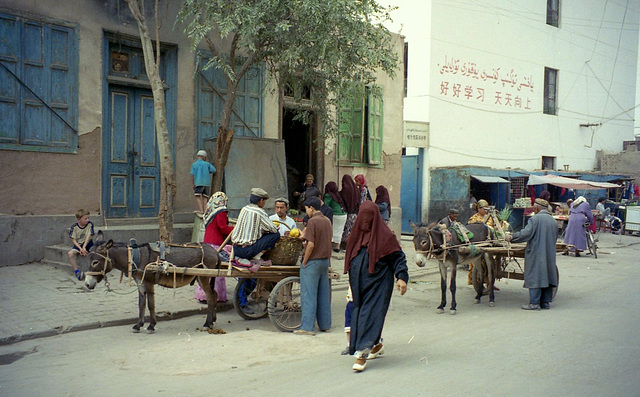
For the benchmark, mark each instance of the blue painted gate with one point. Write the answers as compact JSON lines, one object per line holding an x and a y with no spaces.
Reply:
{"x":410,"y":194}
{"x":130,"y":176}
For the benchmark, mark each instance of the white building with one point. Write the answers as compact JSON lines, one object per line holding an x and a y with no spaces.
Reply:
{"x":518,"y":84}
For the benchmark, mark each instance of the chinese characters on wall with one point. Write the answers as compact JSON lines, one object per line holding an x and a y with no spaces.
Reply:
{"x":493,"y":86}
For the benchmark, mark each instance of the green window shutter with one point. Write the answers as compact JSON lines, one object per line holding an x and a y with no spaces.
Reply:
{"x":344,"y":132}
{"x":357,"y":130}
{"x":374,"y":129}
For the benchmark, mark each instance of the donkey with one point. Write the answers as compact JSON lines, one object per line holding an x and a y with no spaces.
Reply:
{"x":105,"y":256}
{"x":431,"y":240}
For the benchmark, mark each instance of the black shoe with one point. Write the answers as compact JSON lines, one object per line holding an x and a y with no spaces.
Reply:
{"x":336,"y":251}
{"x":545,"y":306}
{"x":565,"y":253}
{"x":578,"y":255}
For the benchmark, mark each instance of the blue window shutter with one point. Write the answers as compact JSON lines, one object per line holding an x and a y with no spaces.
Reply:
{"x":9,"y":87}
{"x":43,"y":57}
{"x":248,"y":106}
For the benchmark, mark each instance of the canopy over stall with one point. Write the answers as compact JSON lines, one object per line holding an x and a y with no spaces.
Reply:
{"x":569,"y":183}
{"x":489,"y":179}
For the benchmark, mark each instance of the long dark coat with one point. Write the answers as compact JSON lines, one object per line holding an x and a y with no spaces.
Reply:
{"x":540,"y":234}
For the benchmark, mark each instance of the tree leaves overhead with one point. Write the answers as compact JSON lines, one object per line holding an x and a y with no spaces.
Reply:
{"x":329,"y":45}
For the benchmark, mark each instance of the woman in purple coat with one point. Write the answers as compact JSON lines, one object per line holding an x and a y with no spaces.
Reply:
{"x":579,"y":214}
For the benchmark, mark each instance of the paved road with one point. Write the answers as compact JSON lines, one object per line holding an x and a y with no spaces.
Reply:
{"x":588,"y":344}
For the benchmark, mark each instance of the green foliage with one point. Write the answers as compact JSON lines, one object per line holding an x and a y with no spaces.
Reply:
{"x":504,"y":214}
{"x":328,"y":45}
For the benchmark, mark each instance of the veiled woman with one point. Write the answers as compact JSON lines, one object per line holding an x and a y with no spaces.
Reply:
{"x":333,"y":199}
{"x":384,"y":203}
{"x":373,"y":258}
{"x":351,"y":199}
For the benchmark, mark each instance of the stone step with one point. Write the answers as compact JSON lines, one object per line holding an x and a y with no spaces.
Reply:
{"x":56,"y":255}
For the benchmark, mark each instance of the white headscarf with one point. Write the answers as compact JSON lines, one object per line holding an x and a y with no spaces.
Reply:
{"x":579,"y":201}
{"x":217,"y":203}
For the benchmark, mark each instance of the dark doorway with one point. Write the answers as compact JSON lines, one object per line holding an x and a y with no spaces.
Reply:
{"x":298,"y":145}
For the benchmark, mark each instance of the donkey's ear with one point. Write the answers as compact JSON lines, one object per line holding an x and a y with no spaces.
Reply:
{"x":99,"y":238}
{"x":413,"y":226}
{"x":109,"y":244}
{"x":431,"y":225}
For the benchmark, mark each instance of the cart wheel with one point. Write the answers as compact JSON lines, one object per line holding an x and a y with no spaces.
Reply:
{"x":257,"y":293}
{"x":285,"y":308}
{"x":555,"y":289}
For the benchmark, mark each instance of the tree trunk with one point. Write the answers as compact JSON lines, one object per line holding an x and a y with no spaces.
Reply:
{"x":167,"y":174}
{"x":225,"y":136}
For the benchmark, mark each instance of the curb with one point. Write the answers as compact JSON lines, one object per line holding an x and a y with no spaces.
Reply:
{"x":59,"y":330}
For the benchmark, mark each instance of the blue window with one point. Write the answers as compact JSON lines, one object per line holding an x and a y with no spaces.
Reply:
{"x":211,"y":88}
{"x":38,"y":85}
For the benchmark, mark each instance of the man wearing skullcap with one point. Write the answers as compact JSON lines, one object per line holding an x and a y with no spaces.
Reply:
{"x":540,"y":274}
{"x":286,"y":223}
{"x":254,"y":232}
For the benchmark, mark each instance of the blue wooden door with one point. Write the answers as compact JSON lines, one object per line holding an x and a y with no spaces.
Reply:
{"x":131,"y":183}
{"x":411,"y":192}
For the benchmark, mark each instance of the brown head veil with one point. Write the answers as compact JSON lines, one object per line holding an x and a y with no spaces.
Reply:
{"x":370,"y":231}
{"x":350,"y":194}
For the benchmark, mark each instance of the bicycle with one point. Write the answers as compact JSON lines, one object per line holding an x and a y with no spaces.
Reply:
{"x":592,"y":241}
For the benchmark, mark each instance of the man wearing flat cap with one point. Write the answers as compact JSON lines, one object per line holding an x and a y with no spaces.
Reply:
{"x":254,"y":232}
{"x":449,"y":219}
{"x":540,"y":274}
{"x":286,"y":223}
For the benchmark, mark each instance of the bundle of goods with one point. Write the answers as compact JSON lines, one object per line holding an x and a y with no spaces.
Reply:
{"x":286,"y":252}
{"x":522,"y":202}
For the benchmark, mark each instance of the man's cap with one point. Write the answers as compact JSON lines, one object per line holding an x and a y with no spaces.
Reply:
{"x":309,"y":177}
{"x":542,"y":202}
{"x":313,"y":202}
{"x":483,"y":204}
{"x":283,"y":200}
{"x":202,"y":153}
{"x":256,"y":191}
{"x":453,"y":211}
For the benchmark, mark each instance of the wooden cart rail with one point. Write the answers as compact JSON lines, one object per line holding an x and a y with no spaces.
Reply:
{"x":274,"y":271}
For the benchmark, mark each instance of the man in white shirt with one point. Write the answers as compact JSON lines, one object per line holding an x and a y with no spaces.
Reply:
{"x":282,"y":206}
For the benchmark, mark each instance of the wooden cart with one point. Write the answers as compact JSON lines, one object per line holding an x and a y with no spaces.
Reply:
{"x":506,"y":263}
{"x":272,"y":290}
